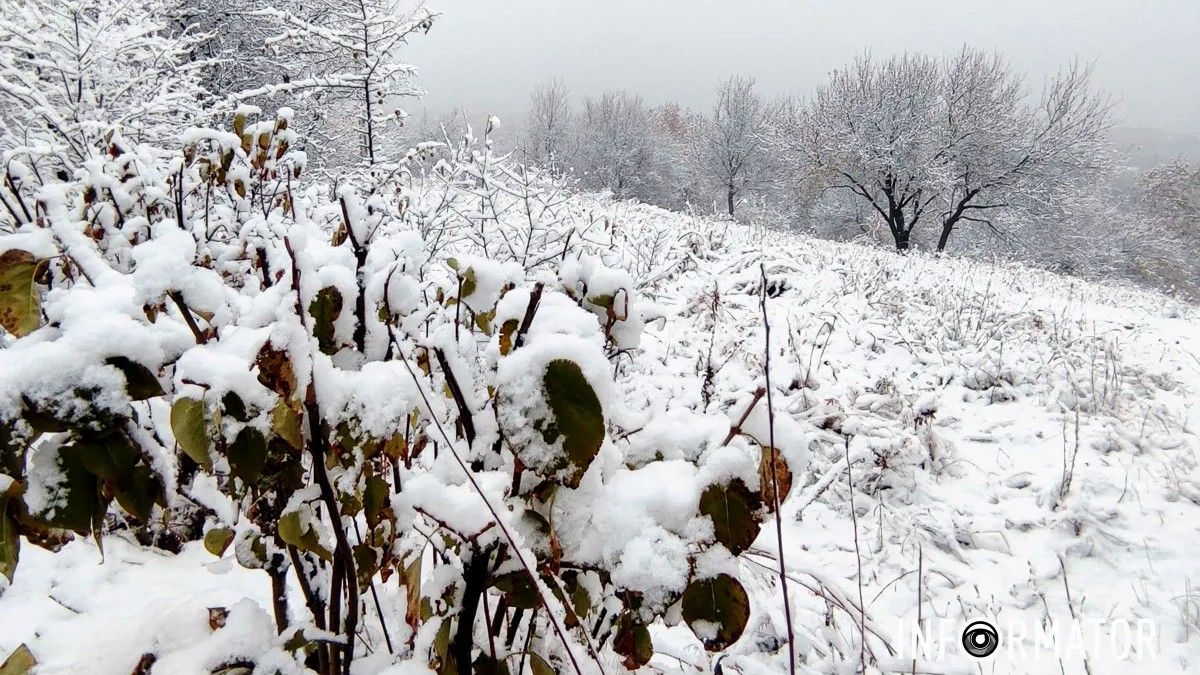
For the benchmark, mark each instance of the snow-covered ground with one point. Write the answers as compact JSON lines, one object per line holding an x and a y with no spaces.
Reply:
{"x":1021,"y":448}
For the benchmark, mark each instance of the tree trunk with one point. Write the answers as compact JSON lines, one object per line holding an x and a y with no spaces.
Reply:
{"x":901,"y":237}
{"x":947,"y":228}
{"x":729,"y":195}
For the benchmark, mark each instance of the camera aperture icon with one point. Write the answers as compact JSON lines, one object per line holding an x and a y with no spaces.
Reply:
{"x":980,"y":639}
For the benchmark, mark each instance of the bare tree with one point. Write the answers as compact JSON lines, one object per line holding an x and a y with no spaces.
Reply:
{"x":548,"y":127}
{"x":616,"y":150}
{"x":72,"y":72}
{"x":735,"y":150}
{"x":677,"y":134}
{"x":1004,"y":156}
{"x":231,"y":37}
{"x":953,"y":141}
{"x":1168,"y":211}
{"x":1173,"y":192}
{"x":347,"y":51}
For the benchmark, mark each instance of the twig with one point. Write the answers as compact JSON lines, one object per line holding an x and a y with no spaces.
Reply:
{"x":177,"y":298}
{"x":920,"y":578}
{"x":535,"y":298}
{"x":862,"y":654}
{"x":787,"y":605}
{"x":824,"y":590}
{"x":818,"y":488}
{"x":464,"y":411}
{"x":1071,"y":606}
{"x":737,"y":428}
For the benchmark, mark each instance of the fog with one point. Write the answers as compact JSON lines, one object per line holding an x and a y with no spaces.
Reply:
{"x":486,"y":56}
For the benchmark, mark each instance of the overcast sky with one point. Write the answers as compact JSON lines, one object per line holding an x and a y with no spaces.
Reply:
{"x":487,"y":55}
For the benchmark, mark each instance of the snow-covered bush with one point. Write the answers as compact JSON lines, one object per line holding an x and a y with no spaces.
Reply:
{"x":72,"y":72}
{"x":412,"y":377}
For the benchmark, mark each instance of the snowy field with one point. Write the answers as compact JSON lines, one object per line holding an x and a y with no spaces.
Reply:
{"x":981,"y":442}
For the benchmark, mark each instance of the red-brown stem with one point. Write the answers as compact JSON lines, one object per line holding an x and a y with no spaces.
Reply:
{"x":314,"y":607}
{"x":535,"y":299}
{"x":177,"y":298}
{"x":344,"y":555}
{"x":737,"y":428}
{"x":464,"y":411}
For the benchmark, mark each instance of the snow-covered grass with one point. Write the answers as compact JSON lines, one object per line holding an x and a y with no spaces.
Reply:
{"x":1015,"y":437}
{"x":1021,"y":448}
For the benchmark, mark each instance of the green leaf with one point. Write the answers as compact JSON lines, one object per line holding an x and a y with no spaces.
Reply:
{"x":286,"y":424}
{"x":10,"y":539}
{"x":578,"y":416}
{"x":140,"y":382}
{"x":20,"y":303}
{"x":483,"y":321}
{"x":717,"y":610}
{"x":539,"y":665}
{"x":605,"y":301}
{"x":79,"y":408}
{"x":324,"y":310}
{"x":109,"y":457}
{"x":734,"y":510}
{"x":190,"y":429}
{"x":441,"y":649}
{"x":375,"y":498}
{"x":12,"y":451}
{"x":44,"y":422}
{"x":217,"y":540}
{"x":581,"y":600}
{"x":76,"y":499}
{"x":248,"y":454}
{"x":469,"y":283}
{"x":20,"y":662}
{"x":519,"y":588}
{"x":295,"y":533}
{"x":632,"y":641}
{"x":366,"y":564}
{"x":137,"y":492}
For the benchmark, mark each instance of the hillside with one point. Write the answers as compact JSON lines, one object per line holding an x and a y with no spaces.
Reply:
{"x":1022,"y":447}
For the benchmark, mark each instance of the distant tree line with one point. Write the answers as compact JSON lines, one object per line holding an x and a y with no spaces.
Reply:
{"x":947,"y":154}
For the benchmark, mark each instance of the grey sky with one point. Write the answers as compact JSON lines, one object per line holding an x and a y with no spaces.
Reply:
{"x":487,"y":55}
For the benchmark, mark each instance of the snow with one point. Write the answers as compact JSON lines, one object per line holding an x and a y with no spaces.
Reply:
{"x":932,"y":403}
{"x":81,"y":612}
{"x":379,"y":396}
